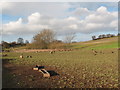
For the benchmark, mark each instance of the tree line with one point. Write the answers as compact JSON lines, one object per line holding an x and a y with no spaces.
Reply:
{"x":45,"y":39}
{"x":103,"y":36}
{"x":20,"y":42}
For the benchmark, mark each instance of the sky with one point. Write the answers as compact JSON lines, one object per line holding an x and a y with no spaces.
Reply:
{"x":26,"y":19}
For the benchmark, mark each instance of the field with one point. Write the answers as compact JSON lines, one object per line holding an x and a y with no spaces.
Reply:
{"x":79,"y":68}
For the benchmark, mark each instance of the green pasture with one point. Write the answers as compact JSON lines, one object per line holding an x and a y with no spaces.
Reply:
{"x":98,"y":44}
{"x":107,"y":45}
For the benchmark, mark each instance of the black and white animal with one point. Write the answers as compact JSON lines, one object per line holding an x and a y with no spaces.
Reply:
{"x":51,"y":52}
{"x":28,"y":56}
{"x":21,"y":56}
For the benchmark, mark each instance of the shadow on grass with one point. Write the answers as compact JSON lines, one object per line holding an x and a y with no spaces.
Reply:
{"x":52,"y":73}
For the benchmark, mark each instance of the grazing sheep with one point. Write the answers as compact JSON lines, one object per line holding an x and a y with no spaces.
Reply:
{"x":21,"y":56}
{"x":101,"y":52}
{"x":70,"y":49}
{"x":65,"y":49}
{"x":51,"y":52}
{"x":28,"y":56}
{"x":4,"y":55}
{"x":95,"y":54}
{"x":94,"y":51}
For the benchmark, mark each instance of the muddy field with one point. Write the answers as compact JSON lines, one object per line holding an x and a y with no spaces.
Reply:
{"x":68,"y":69}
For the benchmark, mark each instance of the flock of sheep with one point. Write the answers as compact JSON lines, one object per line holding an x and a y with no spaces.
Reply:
{"x":53,"y":52}
{"x":21,"y":56}
{"x":96,"y":52}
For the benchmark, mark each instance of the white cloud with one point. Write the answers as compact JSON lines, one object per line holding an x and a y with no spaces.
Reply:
{"x":34,"y":18}
{"x":71,"y":19}
{"x":114,"y":24}
{"x":99,"y":20}
{"x":74,"y":26}
{"x":102,"y":9}
{"x":13,"y":26}
{"x":82,"y":11}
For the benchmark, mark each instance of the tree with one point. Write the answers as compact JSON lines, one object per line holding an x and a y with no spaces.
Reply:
{"x":26,"y":41}
{"x":94,"y":38}
{"x":69,"y":37}
{"x":100,"y":37}
{"x":5,"y":45}
{"x":13,"y":44}
{"x":44,"y":38}
{"x":20,"y":41}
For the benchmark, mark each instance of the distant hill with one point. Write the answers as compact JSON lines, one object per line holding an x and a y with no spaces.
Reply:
{"x":97,"y":44}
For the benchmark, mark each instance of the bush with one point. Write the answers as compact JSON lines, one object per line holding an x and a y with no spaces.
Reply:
{"x":56,"y":45}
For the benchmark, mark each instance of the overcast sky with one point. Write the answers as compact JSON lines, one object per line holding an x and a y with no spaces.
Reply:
{"x":20,"y":19}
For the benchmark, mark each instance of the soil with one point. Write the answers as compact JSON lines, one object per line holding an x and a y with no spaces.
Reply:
{"x":18,"y":76}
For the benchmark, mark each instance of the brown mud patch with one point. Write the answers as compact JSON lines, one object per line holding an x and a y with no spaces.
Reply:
{"x":21,"y":76}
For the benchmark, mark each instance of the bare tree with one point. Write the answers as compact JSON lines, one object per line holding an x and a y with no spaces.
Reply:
{"x":44,"y":38}
{"x":69,"y":37}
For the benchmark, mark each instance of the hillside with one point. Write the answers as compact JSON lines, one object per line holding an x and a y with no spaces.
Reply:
{"x":97,"y":44}
{"x":92,"y":44}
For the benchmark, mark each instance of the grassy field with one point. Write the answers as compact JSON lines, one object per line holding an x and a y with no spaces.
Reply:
{"x":98,"y":44}
{"x":79,"y":68}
